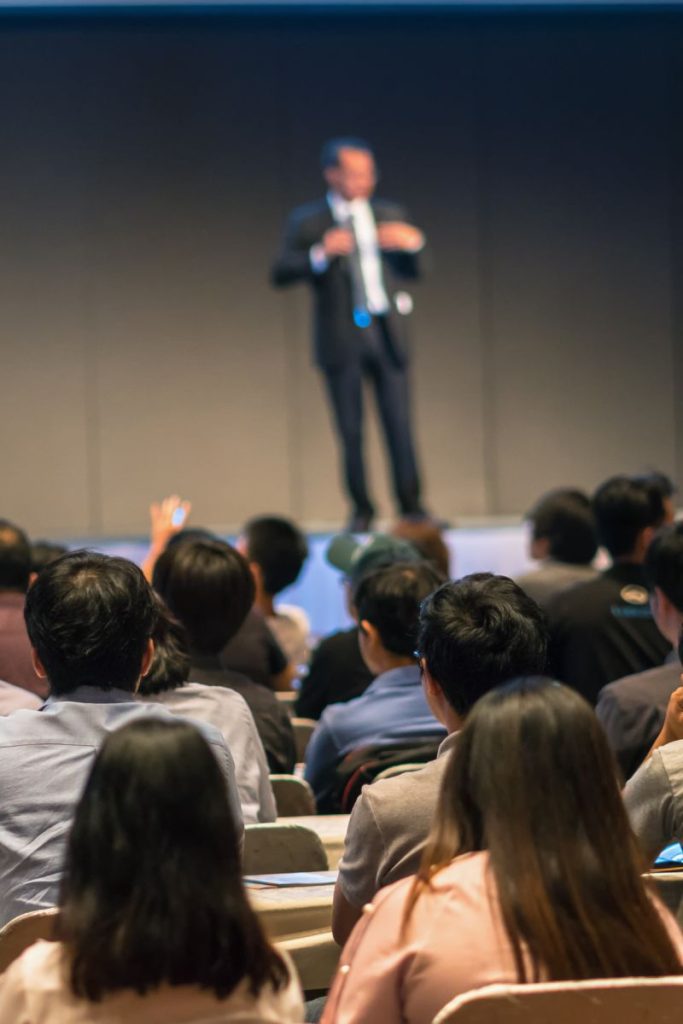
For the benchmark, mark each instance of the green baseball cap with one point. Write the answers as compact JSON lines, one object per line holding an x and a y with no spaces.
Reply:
{"x":355,"y":559}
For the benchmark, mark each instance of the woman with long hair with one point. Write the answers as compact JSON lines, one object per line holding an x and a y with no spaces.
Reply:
{"x":531,"y":872}
{"x":154,"y":924}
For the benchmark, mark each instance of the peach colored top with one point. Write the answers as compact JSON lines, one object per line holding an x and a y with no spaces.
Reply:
{"x":34,"y":990}
{"x":455,"y":942}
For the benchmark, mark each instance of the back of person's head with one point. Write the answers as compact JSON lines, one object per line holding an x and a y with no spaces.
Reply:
{"x":564,"y":520}
{"x":479,"y":632}
{"x":659,"y":483}
{"x":45,"y":551}
{"x":278,"y":548}
{"x":152,"y":891}
{"x":533,"y":782}
{"x":209,"y":587}
{"x":90,"y":618}
{"x":170,"y":666}
{"x":427,"y":539}
{"x":390,"y":599}
{"x":664,"y":564}
{"x":624,"y":507}
{"x":15,"y":557}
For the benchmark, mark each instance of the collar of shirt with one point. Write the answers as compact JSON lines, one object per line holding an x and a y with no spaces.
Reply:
{"x":342,"y":209}
{"x":405,"y":677}
{"x":91,"y":695}
{"x":448,"y":744}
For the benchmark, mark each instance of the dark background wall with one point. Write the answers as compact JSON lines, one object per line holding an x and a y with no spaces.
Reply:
{"x":147,"y":165}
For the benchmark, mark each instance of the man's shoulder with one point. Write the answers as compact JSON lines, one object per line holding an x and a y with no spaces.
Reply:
{"x":312,"y":210}
{"x":408,"y":797}
{"x":652,"y":687}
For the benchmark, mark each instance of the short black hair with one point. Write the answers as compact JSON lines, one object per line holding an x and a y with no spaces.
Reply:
{"x":89,"y":618}
{"x":656,"y":480}
{"x":170,"y":666}
{"x":390,"y":599}
{"x":278,"y":547}
{"x":479,"y":632}
{"x":45,"y":551}
{"x":664,"y":564}
{"x":15,"y":557}
{"x":565,"y":519}
{"x":152,"y":891}
{"x":209,"y":587}
{"x":329,"y":155}
{"x":623,"y":508}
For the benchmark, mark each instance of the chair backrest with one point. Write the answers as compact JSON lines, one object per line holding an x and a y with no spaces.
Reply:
{"x":397,"y":769}
{"x":21,"y":932}
{"x":293,"y":796}
{"x":604,"y":1001}
{"x":276,"y":849}
{"x":303,"y":728}
{"x":362,"y":766}
{"x":669,"y":886}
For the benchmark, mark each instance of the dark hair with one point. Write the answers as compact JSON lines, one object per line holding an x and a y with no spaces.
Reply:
{"x":623,"y":508}
{"x":479,"y":632}
{"x":532,"y":781}
{"x":657,"y":481}
{"x":329,"y":155}
{"x":390,"y":599}
{"x":15,"y":557}
{"x":152,"y":891}
{"x":208,"y":585}
{"x":664,"y":564}
{"x":90,"y":618}
{"x":565,"y":519}
{"x":427,"y":539}
{"x":43,"y":552}
{"x":170,"y":666}
{"x":279,"y":548}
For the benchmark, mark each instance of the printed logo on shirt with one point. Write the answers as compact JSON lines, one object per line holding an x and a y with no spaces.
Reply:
{"x":633,"y":594}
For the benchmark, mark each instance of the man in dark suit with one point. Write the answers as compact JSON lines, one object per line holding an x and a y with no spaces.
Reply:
{"x":354,"y":250}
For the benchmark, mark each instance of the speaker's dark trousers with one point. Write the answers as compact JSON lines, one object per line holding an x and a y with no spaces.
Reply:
{"x":390,"y":382}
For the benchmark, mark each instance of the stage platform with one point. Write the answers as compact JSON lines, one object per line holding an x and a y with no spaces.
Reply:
{"x":490,"y":546}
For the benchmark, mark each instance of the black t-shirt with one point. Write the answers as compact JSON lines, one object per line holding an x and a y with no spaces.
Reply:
{"x":603,"y":630}
{"x":337,"y":673}
{"x":254,"y":651}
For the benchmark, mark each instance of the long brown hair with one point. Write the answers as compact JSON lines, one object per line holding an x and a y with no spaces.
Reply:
{"x":532,"y":781}
{"x":152,"y":890}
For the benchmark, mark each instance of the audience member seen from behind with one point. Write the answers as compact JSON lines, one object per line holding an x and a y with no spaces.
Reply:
{"x":393,"y":709}
{"x":252,"y":651}
{"x":90,"y":619}
{"x":209,"y":587}
{"x":427,"y":539}
{"x":337,"y":672}
{"x":167,"y":683}
{"x":154,"y":922}
{"x":654,"y":795}
{"x":603,"y":630}
{"x":659,"y":483}
{"x":43,"y":552}
{"x":16,"y":666}
{"x":531,"y":872}
{"x":276,"y":551}
{"x":474,"y":634}
{"x":632,"y":709}
{"x":563,"y":540}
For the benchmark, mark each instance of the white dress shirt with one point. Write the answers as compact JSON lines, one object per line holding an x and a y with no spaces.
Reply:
{"x":228,"y":712}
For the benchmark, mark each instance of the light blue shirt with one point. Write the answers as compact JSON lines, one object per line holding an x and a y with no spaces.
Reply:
{"x":392,"y":709}
{"x":45,"y":759}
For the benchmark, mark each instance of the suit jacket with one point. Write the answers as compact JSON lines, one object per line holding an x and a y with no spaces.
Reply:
{"x":337,"y":339}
